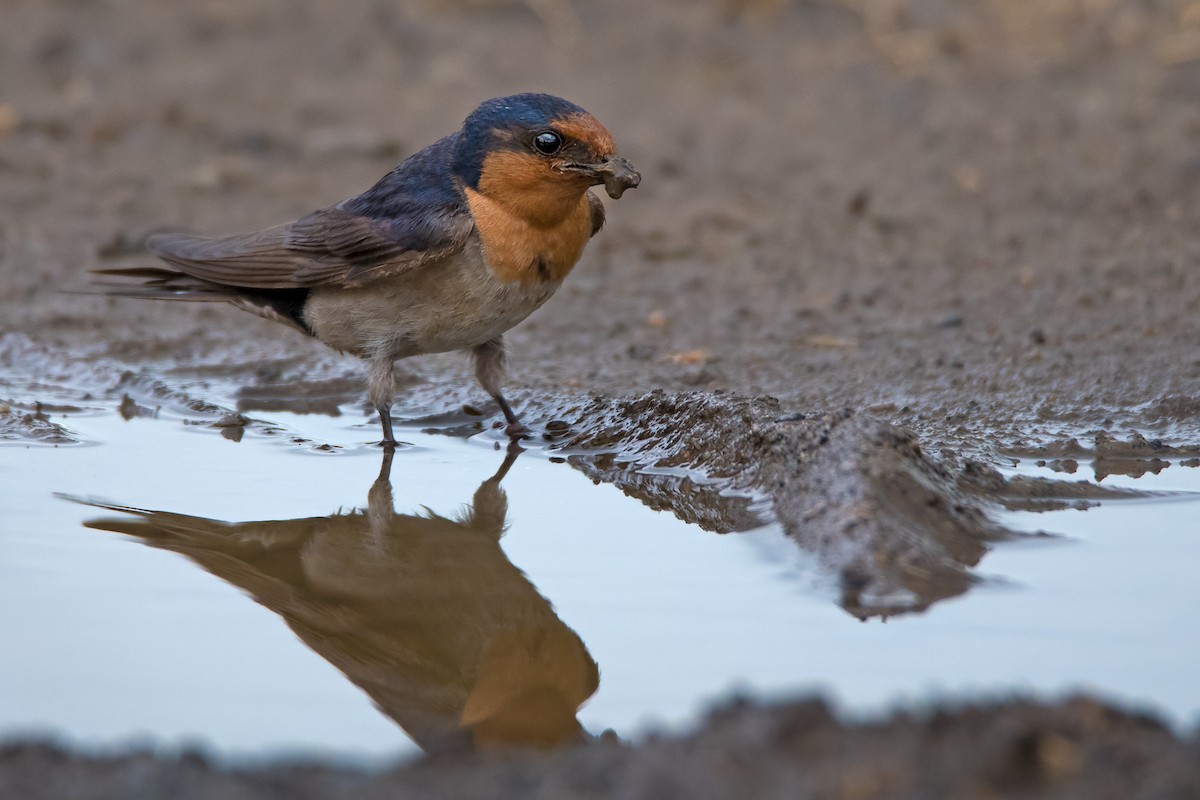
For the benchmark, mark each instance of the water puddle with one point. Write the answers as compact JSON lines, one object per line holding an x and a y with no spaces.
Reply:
{"x":1112,"y":596}
{"x":466,"y":594}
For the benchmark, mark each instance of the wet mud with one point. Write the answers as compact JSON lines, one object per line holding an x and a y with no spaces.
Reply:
{"x":17,"y":424}
{"x":891,"y":524}
{"x":1077,"y":748}
{"x":880,"y":252}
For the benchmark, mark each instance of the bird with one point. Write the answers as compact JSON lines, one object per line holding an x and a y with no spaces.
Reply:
{"x":448,"y":251}
{"x":424,"y":612}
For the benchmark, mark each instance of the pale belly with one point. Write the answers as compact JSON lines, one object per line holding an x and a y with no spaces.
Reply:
{"x":452,"y":305}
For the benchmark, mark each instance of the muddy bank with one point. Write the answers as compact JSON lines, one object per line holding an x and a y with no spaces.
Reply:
{"x":1077,"y":748}
{"x":892,"y":525}
{"x":897,"y":529}
{"x":894,"y":528}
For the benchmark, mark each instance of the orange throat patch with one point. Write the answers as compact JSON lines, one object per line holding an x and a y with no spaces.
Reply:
{"x":520,"y":250}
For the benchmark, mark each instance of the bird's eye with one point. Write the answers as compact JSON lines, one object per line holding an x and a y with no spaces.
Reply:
{"x":547,"y":143}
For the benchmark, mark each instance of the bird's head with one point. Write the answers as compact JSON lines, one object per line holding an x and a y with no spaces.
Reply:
{"x":537,"y":154}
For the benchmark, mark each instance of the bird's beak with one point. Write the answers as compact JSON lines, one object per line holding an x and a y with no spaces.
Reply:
{"x":617,"y":175}
{"x":614,"y":172}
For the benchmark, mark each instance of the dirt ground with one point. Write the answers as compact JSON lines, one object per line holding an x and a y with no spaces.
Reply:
{"x":878,"y":244}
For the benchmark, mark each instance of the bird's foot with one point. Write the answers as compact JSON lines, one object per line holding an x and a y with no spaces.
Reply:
{"x":516,"y":430}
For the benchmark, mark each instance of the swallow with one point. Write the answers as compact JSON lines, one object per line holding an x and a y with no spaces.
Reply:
{"x":448,"y":251}
{"x":423,"y":612}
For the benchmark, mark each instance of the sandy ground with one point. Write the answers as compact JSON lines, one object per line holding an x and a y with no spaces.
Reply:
{"x":878,"y":243}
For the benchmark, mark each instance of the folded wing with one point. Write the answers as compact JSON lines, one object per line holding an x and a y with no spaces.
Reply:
{"x":330,"y":247}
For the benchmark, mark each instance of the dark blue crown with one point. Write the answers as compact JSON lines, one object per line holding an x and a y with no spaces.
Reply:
{"x":518,"y":112}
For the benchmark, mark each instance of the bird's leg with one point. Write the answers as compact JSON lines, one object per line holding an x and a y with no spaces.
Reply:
{"x":385,"y":418}
{"x":381,"y":388}
{"x":489,"y":371}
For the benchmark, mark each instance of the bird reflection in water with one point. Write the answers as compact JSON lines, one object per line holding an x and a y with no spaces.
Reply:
{"x":423,"y":612}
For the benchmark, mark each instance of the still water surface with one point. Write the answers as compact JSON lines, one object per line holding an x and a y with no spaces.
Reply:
{"x":590,"y":612}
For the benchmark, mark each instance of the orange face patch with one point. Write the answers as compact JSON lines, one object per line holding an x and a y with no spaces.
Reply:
{"x":527,"y":186}
{"x":587,"y":129}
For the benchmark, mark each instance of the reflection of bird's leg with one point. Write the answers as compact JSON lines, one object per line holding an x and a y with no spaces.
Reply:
{"x":380,"y":505}
{"x":381,"y":388}
{"x":385,"y":469}
{"x":489,"y":507}
{"x":510,"y":458}
{"x":489,"y":371}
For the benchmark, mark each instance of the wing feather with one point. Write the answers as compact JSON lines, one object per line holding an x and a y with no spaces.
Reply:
{"x":414,"y":215}
{"x":330,"y":247}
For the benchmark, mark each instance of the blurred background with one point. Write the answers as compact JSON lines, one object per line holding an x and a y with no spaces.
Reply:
{"x":839,"y":196}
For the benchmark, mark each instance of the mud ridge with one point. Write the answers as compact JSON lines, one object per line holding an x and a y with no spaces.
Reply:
{"x":860,"y":495}
{"x":32,"y":427}
{"x":894,"y":527}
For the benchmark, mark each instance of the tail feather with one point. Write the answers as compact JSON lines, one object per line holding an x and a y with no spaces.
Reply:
{"x":159,"y":283}
{"x":145,"y":273}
